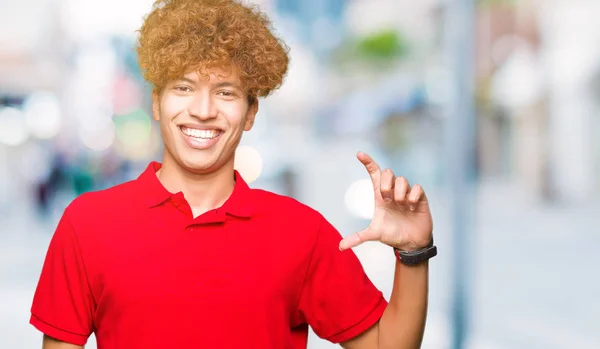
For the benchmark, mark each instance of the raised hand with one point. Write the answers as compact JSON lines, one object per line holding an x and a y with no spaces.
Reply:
{"x":401,"y":218}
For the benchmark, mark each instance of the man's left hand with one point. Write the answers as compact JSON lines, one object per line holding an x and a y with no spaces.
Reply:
{"x":401,"y":218}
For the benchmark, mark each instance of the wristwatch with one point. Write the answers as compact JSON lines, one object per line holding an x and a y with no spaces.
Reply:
{"x":417,"y":256}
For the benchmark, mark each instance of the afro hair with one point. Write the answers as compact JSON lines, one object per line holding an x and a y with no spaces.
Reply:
{"x":180,"y":36}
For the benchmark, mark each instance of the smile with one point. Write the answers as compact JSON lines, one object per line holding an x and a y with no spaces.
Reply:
{"x":200,"y":139}
{"x":200,"y":134}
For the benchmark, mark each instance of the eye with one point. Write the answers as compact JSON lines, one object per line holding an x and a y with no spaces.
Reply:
{"x":226,"y":93}
{"x":182,"y":88}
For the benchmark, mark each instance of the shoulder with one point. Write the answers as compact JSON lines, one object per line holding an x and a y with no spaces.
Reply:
{"x":286,"y":207}
{"x":100,"y":203}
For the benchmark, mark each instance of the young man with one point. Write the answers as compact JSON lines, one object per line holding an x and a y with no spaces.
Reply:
{"x":188,"y":256}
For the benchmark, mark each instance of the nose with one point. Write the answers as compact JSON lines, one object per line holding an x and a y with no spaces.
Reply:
{"x":202,"y":107}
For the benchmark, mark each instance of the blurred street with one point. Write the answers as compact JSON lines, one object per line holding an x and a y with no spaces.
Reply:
{"x":498,"y":96}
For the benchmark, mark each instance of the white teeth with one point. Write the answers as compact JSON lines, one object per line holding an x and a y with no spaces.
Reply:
{"x":204,"y":134}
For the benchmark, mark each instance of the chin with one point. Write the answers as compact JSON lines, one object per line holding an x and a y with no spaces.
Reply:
{"x":200,"y":166}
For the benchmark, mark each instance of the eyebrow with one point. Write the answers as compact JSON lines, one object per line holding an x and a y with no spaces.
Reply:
{"x":218,"y":85}
{"x":227,"y":84}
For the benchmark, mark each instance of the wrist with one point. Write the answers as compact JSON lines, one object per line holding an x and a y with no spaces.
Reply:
{"x":417,"y":256}
{"x":415,"y":246}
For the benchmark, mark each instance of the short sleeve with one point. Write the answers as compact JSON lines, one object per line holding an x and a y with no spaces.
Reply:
{"x":338,"y":299}
{"x":62,"y":306}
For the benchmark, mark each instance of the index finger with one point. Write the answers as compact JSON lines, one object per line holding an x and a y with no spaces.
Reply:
{"x":372,"y":168}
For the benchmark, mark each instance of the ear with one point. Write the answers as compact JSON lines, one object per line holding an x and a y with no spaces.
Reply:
{"x":251,"y":115}
{"x":155,"y":105}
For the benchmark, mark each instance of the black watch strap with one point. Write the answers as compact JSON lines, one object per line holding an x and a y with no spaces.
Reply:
{"x":417,"y":256}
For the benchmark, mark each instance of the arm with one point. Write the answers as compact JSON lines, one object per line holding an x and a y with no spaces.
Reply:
{"x":402,"y":219}
{"x":403,"y":322}
{"x":51,"y":343}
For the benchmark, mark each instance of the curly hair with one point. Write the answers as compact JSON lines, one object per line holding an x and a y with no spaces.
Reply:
{"x":180,"y":36}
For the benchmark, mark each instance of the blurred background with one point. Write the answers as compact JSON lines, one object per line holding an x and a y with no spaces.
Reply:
{"x":492,"y":105}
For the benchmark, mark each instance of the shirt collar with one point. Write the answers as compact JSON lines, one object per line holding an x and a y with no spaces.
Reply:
{"x":239,"y":204}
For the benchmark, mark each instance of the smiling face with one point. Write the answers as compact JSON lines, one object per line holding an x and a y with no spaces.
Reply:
{"x":202,"y":120}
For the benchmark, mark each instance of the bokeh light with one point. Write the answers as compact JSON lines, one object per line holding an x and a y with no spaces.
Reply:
{"x":13,"y":130}
{"x":359,"y":199}
{"x":134,"y":133}
{"x":42,"y":114}
{"x":248,"y":162}
{"x":98,"y":139}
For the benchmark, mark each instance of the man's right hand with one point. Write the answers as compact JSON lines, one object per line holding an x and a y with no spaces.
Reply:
{"x":51,"y":343}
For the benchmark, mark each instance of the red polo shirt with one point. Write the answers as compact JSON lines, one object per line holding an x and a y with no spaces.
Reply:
{"x":133,"y":266}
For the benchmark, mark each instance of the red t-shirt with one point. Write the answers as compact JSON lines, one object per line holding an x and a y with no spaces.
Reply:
{"x":131,"y":265}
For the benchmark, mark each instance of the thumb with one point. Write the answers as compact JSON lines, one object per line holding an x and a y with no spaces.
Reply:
{"x":357,"y":239}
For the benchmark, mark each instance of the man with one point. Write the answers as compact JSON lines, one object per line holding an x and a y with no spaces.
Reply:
{"x":188,"y":256}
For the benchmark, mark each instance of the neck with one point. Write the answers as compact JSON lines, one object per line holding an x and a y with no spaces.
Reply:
{"x":203,"y":192}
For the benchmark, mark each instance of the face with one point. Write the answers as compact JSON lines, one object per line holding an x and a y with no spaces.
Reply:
{"x":202,"y":120}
